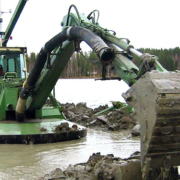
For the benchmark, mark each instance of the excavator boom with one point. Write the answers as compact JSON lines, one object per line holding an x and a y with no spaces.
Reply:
{"x":13,"y":21}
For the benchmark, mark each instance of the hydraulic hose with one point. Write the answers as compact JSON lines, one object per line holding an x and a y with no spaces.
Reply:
{"x":105,"y":54}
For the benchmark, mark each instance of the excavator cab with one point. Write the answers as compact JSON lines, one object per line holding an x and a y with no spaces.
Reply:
{"x":12,"y":77}
{"x":12,"y":63}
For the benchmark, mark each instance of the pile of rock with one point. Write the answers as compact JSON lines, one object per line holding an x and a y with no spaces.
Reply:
{"x":115,"y":120}
{"x":100,"y":167}
{"x":64,"y":127}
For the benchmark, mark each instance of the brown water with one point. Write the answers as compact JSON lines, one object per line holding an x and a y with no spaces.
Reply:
{"x":29,"y":162}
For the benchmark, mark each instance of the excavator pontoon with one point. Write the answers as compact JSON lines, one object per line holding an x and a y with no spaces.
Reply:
{"x":154,"y":92}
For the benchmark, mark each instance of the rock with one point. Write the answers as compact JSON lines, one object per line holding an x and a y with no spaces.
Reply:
{"x":85,"y":118}
{"x":106,"y":169}
{"x":99,"y":109}
{"x":114,"y":116}
{"x":85,"y":176}
{"x":103,"y":119}
{"x":74,"y":127}
{"x":96,"y":157}
{"x":125,"y":123}
{"x":135,"y":155}
{"x":115,"y":120}
{"x":78,"y":172}
{"x":77,"y":119}
{"x":114,"y":127}
{"x":70,"y":114}
{"x":81,"y":108}
{"x":68,"y":106}
{"x":57,"y":173}
{"x":54,"y":175}
{"x":136,"y":130}
{"x":93,"y":122}
{"x":63,"y":127}
{"x":93,"y":116}
{"x":43,"y":129}
{"x":131,"y":169}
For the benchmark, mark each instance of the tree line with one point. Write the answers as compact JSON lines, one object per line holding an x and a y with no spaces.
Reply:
{"x":169,"y":58}
{"x":87,"y":64}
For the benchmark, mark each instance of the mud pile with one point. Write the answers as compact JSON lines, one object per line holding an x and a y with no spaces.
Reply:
{"x":114,"y":120}
{"x":100,"y":167}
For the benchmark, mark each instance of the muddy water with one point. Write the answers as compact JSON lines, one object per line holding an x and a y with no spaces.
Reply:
{"x":28,"y":162}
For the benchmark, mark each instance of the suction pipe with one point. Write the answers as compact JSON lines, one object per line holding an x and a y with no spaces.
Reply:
{"x":105,"y":54}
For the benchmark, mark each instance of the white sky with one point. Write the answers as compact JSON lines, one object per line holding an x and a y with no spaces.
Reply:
{"x":146,"y":23}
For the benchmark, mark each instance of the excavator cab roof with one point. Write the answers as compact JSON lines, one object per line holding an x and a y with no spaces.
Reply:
{"x":12,"y":50}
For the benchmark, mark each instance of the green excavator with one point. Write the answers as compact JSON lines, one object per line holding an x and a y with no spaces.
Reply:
{"x":24,"y":115}
{"x":154,"y":92}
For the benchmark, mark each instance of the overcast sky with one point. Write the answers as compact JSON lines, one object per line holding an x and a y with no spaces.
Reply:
{"x":146,"y":23}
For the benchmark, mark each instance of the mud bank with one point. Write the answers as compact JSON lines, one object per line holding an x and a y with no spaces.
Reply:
{"x":107,"y":167}
{"x":101,"y":167}
{"x":114,"y":120}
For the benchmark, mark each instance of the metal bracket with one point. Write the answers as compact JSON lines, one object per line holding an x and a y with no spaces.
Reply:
{"x":77,"y":45}
{"x":48,"y":61}
{"x":104,"y":75}
{"x":110,"y":78}
{"x":125,"y":53}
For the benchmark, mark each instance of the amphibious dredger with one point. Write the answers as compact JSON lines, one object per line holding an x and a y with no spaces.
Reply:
{"x":153,"y":93}
{"x":23,"y":116}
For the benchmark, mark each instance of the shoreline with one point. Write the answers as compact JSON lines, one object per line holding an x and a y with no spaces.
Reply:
{"x":107,"y":167}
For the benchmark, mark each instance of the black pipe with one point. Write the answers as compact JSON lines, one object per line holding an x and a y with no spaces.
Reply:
{"x":105,"y":54}
{"x":38,"y":66}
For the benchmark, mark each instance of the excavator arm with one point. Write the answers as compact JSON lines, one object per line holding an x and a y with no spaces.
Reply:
{"x":14,"y":19}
